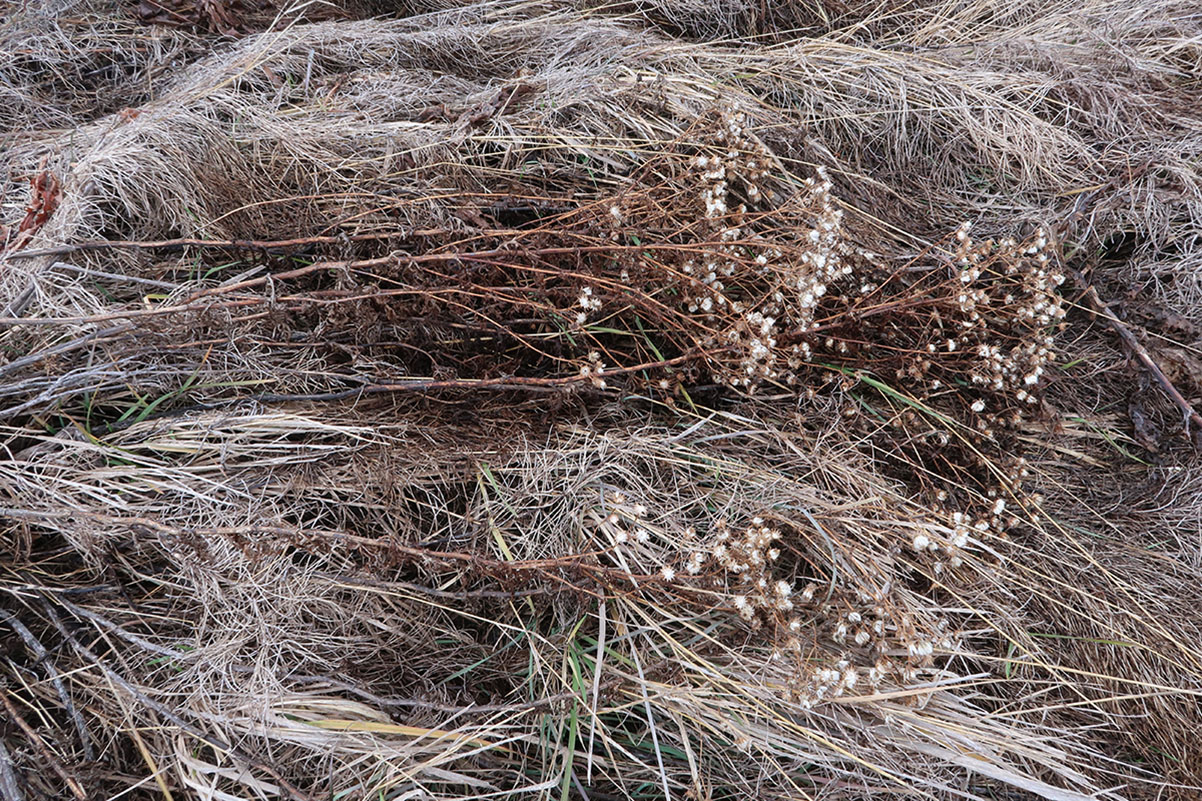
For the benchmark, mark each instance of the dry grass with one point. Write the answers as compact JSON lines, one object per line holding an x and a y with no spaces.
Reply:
{"x":599,"y":401}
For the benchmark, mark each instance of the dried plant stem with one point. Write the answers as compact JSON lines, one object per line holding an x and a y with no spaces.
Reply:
{"x":524,"y":383}
{"x":40,"y":744}
{"x":700,"y":412}
{"x":266,"y":245}
{"x":43,"y":656}
{"x":1101,"y":309}
{"x":9,"y":789}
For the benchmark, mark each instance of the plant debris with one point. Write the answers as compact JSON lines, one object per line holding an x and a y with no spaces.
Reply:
{"x":560,"y":400}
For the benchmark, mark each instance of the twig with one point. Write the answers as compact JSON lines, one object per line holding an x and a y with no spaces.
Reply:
{"x":547,"y":568}
{"x":40,"y":745}
{"x":524,"y":383}
{"x":132,"y":279}
{"x":538,"y":567}
{"x":10,"y":790}
{"x":1101,"y":309}
{"x":43,"y":657}
{"x":424,"y":258}
{"x":113,"y":628}
{"x":461,"y":595}
{"x":228,"y":244}
{"x":58,"y":350}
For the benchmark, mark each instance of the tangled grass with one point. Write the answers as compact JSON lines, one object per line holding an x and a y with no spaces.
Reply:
{"x":645,"y":400}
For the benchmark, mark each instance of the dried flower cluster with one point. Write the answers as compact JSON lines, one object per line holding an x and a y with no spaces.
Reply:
{"x":634,"y":542}
{"x":743,"y":257}
{"x":986,"y":320}
{"x":770,"y":280}
{"x":837,"y":639}
{"x":757,"y":272}
{"x":1012,"y":285}
{"x":718,"y":252}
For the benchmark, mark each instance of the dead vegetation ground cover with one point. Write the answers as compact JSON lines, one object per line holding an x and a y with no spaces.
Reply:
{"x":642,"y":400}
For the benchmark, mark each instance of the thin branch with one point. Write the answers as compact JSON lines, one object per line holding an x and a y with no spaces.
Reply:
{"x":1189,"y":413}
{"x":524,"y":383}
{"x":42,"y":749}
{"x":58,"y":350}
{"x":43,"y":657}
{"x":228,"y":244}
{"x":10,"y":789}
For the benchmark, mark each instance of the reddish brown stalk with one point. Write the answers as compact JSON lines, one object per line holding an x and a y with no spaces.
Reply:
{"x":583,"y":563}
{"x":227,"y":244}
{"x":506,"y":382}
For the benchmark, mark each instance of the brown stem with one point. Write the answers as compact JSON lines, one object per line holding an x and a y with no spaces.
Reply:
{"x":507,"y":382}
{"x":1102,"y":310}
{"x":228,"y":244}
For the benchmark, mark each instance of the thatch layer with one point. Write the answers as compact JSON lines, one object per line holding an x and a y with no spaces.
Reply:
{"x":560,"y":400}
